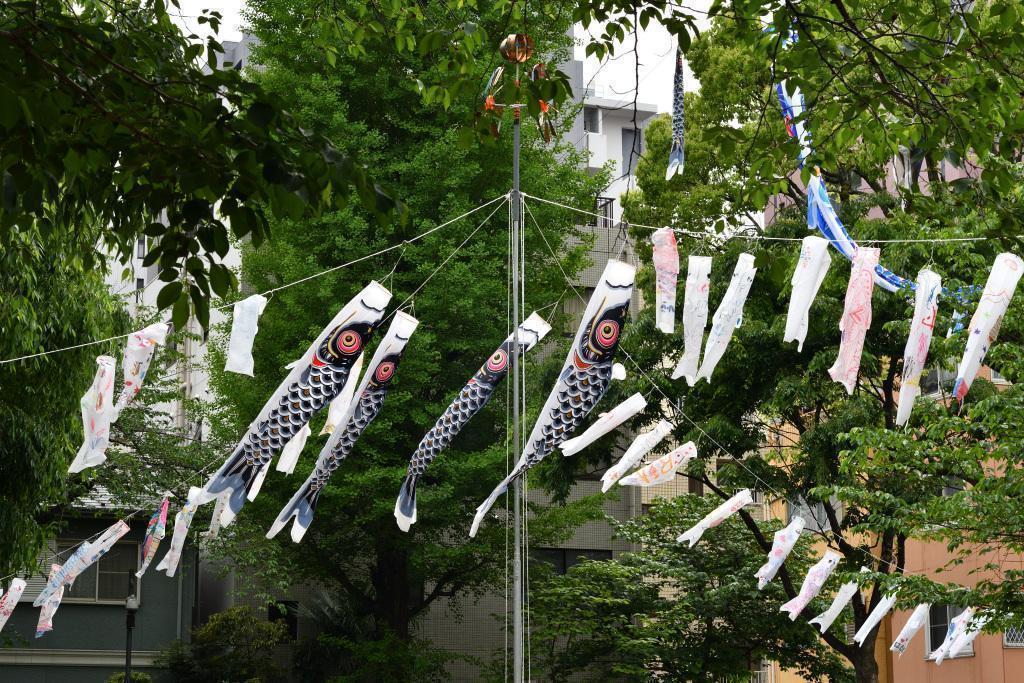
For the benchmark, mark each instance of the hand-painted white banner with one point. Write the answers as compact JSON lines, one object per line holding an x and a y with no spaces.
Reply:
{"x":984,"y":327}
{"x":97,"y":415}
{"x":156,"y":529}
{"x":695,"y":316}
{"x":782,"y":546}
{"x":46,"y":614}
{"x":955,"y":636}
{"x":84,"y":557}
{"x":843,"y":596}
{"x":182,"y":521}
{"x":856,"y":318}
{"x":918,"y":618}
{"x":666,"y":272}
{"x":663,"y":469}
{"x":810,"y":272}
{"x":138,"y":354}
{"x":716,"y":517}
{"x":813,"y":583}
{"x":10,"y":600}
{"x":876,"y":616}
{"x":926,"y":310}
{"x":604,"y":424}
{"x":729,"y":315}
{"x":244,"y":325}
{"x":641,"y":446}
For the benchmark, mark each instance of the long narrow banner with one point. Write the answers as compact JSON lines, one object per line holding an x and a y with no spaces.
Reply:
{"x":182,"y":522}
{"x":695,"y":316}
{"x":782,"y":545}
{"x":97,"y":415}
{"x":584,"y":379}
{"x":677,"y":153}
{"x":918,"y":618}
{"x":843,"y":596}
{"x":812,"y":585}
{"x":10,"y":600}
{"x":155,"y":532}
{"x":84,"y":556}
{"x":811,"y":268}
{"x":473,"y":397}
{"x":52,"y":602}
{"x":313,"y":382}
{"x":604,"y":424}
{"x":716,"y":517}
{"x":926,"y":310}
{"x":729,"y":315}
{"x":663,"y":469}
{"x":876,"y":616}
{"x":369,"y":399}
{"x":855,"y":321}
{"x":665,"y":255}
{"x":641,"y":446}
{"x":138,"y":354}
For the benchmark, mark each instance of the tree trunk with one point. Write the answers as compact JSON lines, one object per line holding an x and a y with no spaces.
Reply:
{"x":391,"y":609}
{"x":864,"y":665}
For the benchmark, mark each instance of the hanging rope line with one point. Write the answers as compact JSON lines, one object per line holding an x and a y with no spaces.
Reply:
{"x":217,"y":460}
{"x":332,"y":269}
{"x":746,"y":236}
{"x":830,"y":539}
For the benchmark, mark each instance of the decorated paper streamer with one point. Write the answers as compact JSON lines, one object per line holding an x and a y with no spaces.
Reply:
{"x":336,"y":411}
{"x":716,"y":517}
{"x":10,"y":600}
{"x":84,"y":556}
{"x":794,"y":110}
{"x":155,"y":532}
{"x":584,"y":378}
{"x":289,"y":454}
{"x":810,"y":272}
{"x":926,"y":309}
{"x":244,"y":325}
{"x":918,"y":618}
{"x":313,"y":382}
{"x":369,"y":399}
{"x":138,"y":354}
{"x":605,"y":424}
{"x":958,"y":627}
{"x":729,"y":315}
{"x":49,"y":607}
{"x":677,"y":153}
{"x":876,"y":616}
{"x":663,"y":469}
{"x":782,"y":546}
{"x":984,"y":326}
{"x":666,"y":271}
{"x":97,"y":415}
{"x":641,"y":446}
{"x":812,"y":585}
{"x":856,"y":319}
{"x":182,"y":521}
{"x":843,"y":596}
{"x":966,"y":635}
{"x":695,"y":316}
{"x":473,"y":397}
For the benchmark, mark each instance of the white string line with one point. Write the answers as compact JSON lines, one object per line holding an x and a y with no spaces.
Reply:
{"x":677,"y":410}
{"x":220,"y":458}
{"x":281,"y":287}
{"x":764,"y":238}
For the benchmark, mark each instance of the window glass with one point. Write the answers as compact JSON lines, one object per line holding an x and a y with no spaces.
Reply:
{"x":592,"y":119}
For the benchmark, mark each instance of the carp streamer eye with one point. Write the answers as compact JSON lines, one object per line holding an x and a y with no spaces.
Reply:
{"x":348,"y":342}
{"x":497,"y":362}
{"x":607,"y":333}
{"x":384,"y":372}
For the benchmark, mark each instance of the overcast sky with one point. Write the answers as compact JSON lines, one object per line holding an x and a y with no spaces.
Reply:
{"x":615,"y":78}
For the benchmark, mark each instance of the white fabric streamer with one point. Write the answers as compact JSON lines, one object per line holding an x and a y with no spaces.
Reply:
{"x":984,"y":327}
{"x":291,"y":452}
{"x":666,"y":272}
{"x":926,"y":308}
{"x":46,"y":614}
{"x":856,"y":318}
{"x":729,"y":315}
{"x":716,"y":517}
{"x":641,"y":446}
{"x":182,"y":521}
{"x":843,"y":596}
{"x":84,"y":557}
{"x":782,"y":546}
{"x":604,"y":424}
{"x":338,"y":407}
{"x":967,"y":635}
{"x":918,"y":618}
{"x":813,"y":583}
{"x":97,"y":415}
{"x":957,"y":636}
{"x":244,"y":325}
{"x":10,"y":600}
{"x":876,"y":616}
{"x":663,"y":469}
{"x":695,"y":316}
{"x":810,"y":272}
{"x":138,"y":354}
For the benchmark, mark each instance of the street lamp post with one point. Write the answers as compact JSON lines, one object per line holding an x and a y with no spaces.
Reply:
{"x":131,"y":606}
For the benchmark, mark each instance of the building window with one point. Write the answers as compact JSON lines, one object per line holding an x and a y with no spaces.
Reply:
{"x":110,"y":579}
{"x":1014,"y":636}
{"x":140,"y":247}
{"x":286,"y":611}
{"x":632,"y":144}
{"x":604,"y":210}
{"x":562,"y":559}
{"x":939,"y":617}
{"x":592,"y":120}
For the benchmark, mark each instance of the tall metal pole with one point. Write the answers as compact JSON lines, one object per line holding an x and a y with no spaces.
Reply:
{"x":517,"y":489}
